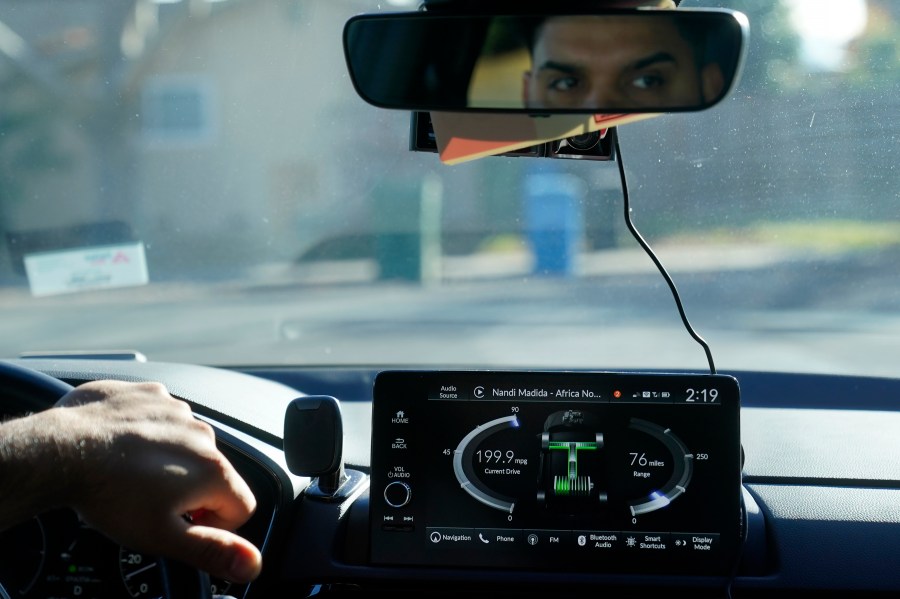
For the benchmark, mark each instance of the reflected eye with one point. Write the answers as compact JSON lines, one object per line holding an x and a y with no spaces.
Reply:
{"x":647,"y":81}
{"x":563,"y":84}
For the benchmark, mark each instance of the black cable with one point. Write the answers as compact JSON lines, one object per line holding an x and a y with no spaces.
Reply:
{"x":656,"y":261}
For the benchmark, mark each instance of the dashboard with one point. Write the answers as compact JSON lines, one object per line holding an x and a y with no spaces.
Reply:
{"x":518,"y":483}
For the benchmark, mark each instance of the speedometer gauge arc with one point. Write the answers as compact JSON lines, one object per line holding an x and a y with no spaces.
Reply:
{"x":140,"y":573}
{"x":463,"y":457}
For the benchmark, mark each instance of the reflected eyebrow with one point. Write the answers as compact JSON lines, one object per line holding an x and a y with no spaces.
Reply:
{"x":559,"y":66}
{"x":653,"y":59}
{"x":640,"y":63}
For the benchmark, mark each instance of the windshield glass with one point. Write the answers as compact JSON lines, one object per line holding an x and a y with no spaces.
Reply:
{"x":198,"y":181}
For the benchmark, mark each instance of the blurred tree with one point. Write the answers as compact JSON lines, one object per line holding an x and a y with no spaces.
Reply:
{"x":874,"y":57}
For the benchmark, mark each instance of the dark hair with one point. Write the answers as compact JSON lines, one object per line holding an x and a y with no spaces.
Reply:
{"x":692,"y":30}
{"x":528,"y":28}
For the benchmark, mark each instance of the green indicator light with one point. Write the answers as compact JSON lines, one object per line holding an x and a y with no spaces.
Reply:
{"x":72,"y":569}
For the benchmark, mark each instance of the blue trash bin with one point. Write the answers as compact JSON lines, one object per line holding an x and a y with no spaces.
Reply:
{"x":554,"y":221}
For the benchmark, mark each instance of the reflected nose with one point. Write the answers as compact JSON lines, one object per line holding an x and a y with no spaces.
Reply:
{"x":601,"y":95}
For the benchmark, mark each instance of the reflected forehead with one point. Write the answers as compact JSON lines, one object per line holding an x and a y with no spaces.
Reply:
{"x":585,"y":38}
{"x":607,"y":27}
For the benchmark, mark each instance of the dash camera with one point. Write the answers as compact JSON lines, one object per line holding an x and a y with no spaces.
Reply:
{"x":596,"y":145}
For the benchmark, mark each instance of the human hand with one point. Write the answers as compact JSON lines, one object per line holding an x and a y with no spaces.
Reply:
{"x":138,"y":461}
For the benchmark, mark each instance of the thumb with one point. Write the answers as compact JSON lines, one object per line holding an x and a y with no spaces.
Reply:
{"x":218,"y":552}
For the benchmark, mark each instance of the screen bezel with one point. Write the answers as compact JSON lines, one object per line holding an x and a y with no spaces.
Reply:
{"x":416,"y":392}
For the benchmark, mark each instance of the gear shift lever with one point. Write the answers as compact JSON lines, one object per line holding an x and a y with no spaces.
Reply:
{"x":313,"y":446}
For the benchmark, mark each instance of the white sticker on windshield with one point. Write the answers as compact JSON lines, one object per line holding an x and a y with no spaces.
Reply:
{"x":82,"y":269}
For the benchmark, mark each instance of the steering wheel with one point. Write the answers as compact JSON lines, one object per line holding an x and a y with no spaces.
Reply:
{"x":33,"y":390}
{"x":29,"y":390}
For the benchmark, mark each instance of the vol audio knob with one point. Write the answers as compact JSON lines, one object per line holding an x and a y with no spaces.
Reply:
{"x":397,"y":494}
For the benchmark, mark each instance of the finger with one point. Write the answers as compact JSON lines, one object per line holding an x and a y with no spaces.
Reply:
{"x":219,"y":552}
{"x":94,"y":391}
{"x":204,"y":517}
{"x":230,"y":506}
{"x":86,"y":393}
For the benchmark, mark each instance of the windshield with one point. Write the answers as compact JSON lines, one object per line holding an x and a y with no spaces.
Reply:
{"x":198,"y":181}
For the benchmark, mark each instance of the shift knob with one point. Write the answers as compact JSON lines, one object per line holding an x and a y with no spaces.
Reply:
{"x":314,"y":436}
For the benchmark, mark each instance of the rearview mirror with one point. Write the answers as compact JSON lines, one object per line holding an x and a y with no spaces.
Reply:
{"x":610,"y":62}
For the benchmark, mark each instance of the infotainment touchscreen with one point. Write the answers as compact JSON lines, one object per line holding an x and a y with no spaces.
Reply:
{"x":582,"y":471}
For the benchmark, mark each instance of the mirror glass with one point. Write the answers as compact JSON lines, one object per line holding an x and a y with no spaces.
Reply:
{"x":623,"y":61}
